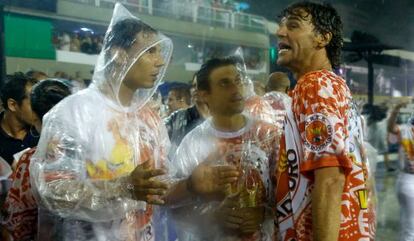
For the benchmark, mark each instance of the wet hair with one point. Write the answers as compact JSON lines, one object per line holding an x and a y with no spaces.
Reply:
{"x":123,"y":33}
{"x":376,"y":113}
{"x":15,"y":88}
{"x":203,"y":75}
{"x":47,"y":94}
{"x":182,"y":93}
{"x":325,"y":19}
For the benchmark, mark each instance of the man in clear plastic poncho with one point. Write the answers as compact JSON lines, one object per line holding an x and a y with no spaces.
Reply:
{"x":234,"y":154}
{"x":101,"y":148}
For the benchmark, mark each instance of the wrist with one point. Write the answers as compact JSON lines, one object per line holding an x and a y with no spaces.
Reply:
{"x":128,"y":185}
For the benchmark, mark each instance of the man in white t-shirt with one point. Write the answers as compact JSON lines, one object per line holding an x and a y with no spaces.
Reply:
{"x":225,"y":164}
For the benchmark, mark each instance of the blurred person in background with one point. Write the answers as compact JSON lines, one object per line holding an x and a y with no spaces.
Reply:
{"x":75,"y":43}
{"x":20,"y":207}
{"x":37,"y":75}
{"x":405,"y":181}
{"x":179,"y":97}
{"x":101,"y":148}
{"x":322,"y":189}
{"x":65,"y":42}
{"x":183,"y":121}
{"x":61,"y":75}
{"x":377,"y":131}
{"x":278,"y":81}
{"x":259,"y":88}
{"x":86,"y":44}
{"x":16,"y":121}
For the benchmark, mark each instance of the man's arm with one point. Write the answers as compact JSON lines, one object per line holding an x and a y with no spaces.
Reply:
{"x":326,"y":203}
{"x":392,"y":121}
{"x":71,"y":195}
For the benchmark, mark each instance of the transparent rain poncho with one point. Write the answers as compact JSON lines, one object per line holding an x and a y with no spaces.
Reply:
{"x":252,"y":149}
{"x":271,"y":107}
{"x":94,"y":139}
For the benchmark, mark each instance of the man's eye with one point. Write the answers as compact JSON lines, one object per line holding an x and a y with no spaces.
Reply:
{"x":224,"y":83}
{"x":292,"y":25}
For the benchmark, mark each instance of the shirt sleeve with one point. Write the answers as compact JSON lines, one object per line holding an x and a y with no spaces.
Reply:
{"x":323,"y":124}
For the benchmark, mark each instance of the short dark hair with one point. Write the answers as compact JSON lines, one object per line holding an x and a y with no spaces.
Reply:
{"x":325,"y":19}
{"x":182,"y":92}
{"x":47,"y":94}
{"x":15,"y":88}
{"x":123,"y":33}
{"x":203,"y":75}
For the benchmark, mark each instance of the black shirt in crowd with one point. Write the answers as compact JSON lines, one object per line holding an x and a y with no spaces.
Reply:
{"x":10,"y":146}
{"x":181,"y":122}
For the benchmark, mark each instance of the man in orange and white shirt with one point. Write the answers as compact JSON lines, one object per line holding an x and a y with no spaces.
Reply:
{"x":321,"y":192}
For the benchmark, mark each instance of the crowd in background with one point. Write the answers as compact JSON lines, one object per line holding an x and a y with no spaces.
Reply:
{"x":86,"y":42}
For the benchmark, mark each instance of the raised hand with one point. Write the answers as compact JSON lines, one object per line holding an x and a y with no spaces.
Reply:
{"x":145,"y":187}
{"x":207,"y":179}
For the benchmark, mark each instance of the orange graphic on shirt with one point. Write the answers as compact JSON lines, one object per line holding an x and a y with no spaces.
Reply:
{"x":317,"y":133}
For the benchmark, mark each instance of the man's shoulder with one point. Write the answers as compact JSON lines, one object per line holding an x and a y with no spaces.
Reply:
{"x":320,"y":77}
{"x":182,"y":116}
{"x":176,"y":115}
{"x":197,"y":133}
{"x":321,"y":84}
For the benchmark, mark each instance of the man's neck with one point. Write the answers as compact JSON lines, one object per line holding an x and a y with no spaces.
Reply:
{"x":202,"y":110}
{"x":125,"y":95}
{"x":229,"y":123}
{"x":318,"y":61}
{"x":13,"y":127}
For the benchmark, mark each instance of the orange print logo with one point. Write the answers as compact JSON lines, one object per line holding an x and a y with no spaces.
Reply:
{"x":318,"y":131}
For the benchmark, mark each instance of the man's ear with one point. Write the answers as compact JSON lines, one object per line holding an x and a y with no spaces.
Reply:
{"x":119,"y":55}
{"x":203,"y":95}
{"x":12,"y":105}
{"x":322,"y":40}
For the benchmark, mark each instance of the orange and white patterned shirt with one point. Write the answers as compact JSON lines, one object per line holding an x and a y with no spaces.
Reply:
{"x":321,"y":131}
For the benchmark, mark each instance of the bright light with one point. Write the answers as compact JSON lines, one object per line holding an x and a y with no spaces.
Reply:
{"x":190,"y":46}
{"x":86,"y":29}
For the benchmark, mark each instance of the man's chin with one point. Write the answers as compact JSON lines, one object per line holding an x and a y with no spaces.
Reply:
{"x":282,"y":62}
{"x":147,"y":85}
{"x":237,"y":110}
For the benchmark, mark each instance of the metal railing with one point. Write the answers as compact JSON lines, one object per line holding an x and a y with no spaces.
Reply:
{"x":191,"y":12}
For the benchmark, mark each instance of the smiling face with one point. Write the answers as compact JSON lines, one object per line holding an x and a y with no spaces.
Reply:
{"x":225,"y":94}
{"x":297,"y":40}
